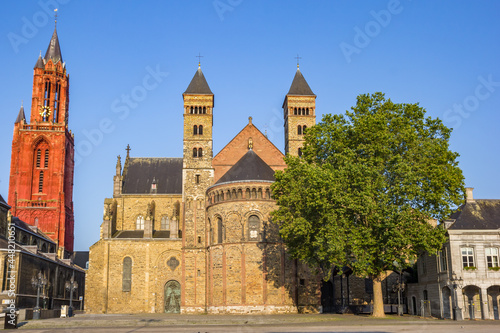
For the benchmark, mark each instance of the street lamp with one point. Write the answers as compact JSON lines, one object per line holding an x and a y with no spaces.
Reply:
{"x":70,"y":286}
{"x":456,"y":283}
{"x":399,"y":286}
{"x":38,"y":282}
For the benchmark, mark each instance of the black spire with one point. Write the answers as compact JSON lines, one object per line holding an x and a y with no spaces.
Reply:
{"x":21,"y":115}
{"x":198,"y":85}
{"x":299,"y":86}
{"x":54,"y":50}
{"x":39,"y":62}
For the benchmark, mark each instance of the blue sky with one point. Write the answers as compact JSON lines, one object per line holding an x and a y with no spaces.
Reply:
{"x":441,"y":54}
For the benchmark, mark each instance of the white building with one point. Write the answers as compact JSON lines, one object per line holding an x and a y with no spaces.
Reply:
{"x":464,"y":278}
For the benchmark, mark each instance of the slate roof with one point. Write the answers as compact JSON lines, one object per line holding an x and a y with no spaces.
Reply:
{"x":167,"y":172}
{"x":39,"y":62}
{"x":299,"y":86}
{"x":198,"y":84}
{"x":54,"y":50}
{"x":130,"y":234}
{"x":249,"y":167}
{"x":20,"y":115}
{"x":80,"y":258}
{"x":481,"y":214}
{"x":2,"y":201}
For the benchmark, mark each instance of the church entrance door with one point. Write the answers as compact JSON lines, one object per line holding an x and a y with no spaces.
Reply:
{"x":172,"y":297}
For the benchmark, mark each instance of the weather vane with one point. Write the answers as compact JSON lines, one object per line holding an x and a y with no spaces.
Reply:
{"x":55,"y":16}
{"x":199,"y":56}
{"x":297,"y":57}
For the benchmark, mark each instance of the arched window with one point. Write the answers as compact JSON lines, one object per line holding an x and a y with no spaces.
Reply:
{"x":195,"y":110}
{"x":195,"y":152}
{"x":299,"y":130}
{"x":259,"y":194}
{"x":253,"y":228}
{"x":200,"y":152}
{"x":165,"y":223}
{"x":40,"y":182}
{"x":127,"y":274}
{"x":139,"y":223}
{"x":46,"y":160}
{"x":247,"y":193}
{"x":303,"y":111}
{"x":191,"y":110}
{"x":307,"y":111}
{"x":220,"y":230}
{"x":268,"y":194}
{"x":38,"y":158}
{"x":295,"y":111}
{"x":304,"y":129}
{"x":204,"y":110}
{"x":254,"y":193}
{"x":300,"y":152}
{"x":195,"y":130}
{"x":200,"y":130}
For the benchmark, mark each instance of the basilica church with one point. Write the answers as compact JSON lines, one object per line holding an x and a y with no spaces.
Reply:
{"x":194,"y":234}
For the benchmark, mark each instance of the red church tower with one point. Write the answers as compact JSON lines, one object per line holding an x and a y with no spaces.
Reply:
{"x":41,"y":170}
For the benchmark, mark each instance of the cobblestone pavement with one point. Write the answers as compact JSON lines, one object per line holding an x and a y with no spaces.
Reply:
{"x":293,"y":323}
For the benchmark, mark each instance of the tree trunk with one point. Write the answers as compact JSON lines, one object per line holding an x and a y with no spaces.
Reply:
{"x":378,"y":300}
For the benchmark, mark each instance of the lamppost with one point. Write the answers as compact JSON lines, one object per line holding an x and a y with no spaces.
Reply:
{"x":456,"y":283}
{"x":38,"y":282}
{"x":70,"y":286}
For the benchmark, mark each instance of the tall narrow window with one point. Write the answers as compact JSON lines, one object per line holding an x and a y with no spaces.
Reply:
{"x":253,"y":228}
{"x":127,"y":274}
{"x":38,"y":158}
{"x":200,"y":130}
{"x":200,"y":152}
{"x":443,"y":260}
{"x":492,"y":257}
{"x":220,"y":230}
{"x":299,"y":130}
{"x":165,"y":223}
{"x":139,"y":223}
{"x":204,"y":110}
{"x":307,"y":111}
{"x":295,"y":111}
{"x":191,"y":110}
{"x":197,"y":179}
{"x":46,"y":160}
{"x":195,"y":130}
{"x":304,"y":129}
{"x":468,"y":257}
{"x":195,"y":152}
{"x":40,"y":182}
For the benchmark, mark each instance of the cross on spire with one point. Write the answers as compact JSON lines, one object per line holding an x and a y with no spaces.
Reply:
{"x":128,"y":150}
{"x":55,"y":17}
{"x":298,"y":58}
{"x":199,"y":56}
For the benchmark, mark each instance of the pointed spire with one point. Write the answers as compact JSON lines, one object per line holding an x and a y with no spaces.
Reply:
{"x":54,"y":50}
{"x":119,"y":166}
{"x":20,"y":116}
{"x":299,"y":85}
{"x":39,"y":62}
{"x":127,"y":161}
{"x":198,"y":85}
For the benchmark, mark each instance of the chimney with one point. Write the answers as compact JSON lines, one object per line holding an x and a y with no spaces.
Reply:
{"x":468,"y":195}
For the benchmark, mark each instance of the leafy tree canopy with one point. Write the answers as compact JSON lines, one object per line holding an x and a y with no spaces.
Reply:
{"x":366,"y":186}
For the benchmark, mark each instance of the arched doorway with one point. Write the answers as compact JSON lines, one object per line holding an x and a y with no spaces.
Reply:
{"x":472,"y":303}
{"x":494,"y":302}
{"x":172,"y":294}
{"x":446,"y":293}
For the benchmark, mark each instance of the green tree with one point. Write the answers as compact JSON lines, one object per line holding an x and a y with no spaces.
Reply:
{"x":365,"y":189}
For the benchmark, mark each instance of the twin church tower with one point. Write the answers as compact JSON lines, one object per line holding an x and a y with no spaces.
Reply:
{"x":179,"y":235}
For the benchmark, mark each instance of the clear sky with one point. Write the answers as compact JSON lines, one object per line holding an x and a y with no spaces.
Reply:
{"x":442,"y":54}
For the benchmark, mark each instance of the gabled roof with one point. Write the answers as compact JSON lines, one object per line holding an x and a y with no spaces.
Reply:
{"x":54,"y":50}
{"x":167,"y":172}
{"x":249,"y":167}
{"x":299,"y":86}
{"x":478,"y":214}
{"x":20,"y":115}
{"x":198,"y":85}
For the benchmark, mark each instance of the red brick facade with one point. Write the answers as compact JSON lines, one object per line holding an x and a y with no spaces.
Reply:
{"x":41,"y":172}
